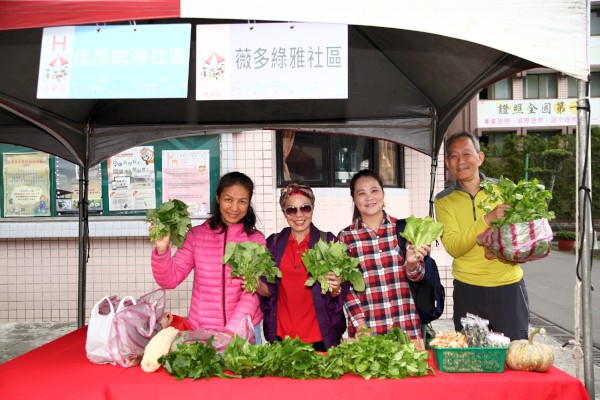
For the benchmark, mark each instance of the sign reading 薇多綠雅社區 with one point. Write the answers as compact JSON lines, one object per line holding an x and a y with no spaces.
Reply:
{"x":115,"y":62}
{"x":271,"y":61}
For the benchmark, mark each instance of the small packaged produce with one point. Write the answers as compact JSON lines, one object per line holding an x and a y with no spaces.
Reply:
{"x":496,"y":339}
{"x":476,"y":329}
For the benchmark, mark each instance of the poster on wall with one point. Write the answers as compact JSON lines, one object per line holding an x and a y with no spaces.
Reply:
{"x":67,"y":188}
{"x":26,"y":184}
{"x":131,"y":185}
{"x":185,"y":176}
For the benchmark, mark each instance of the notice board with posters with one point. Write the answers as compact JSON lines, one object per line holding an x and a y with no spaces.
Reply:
{"x":38,"y":184}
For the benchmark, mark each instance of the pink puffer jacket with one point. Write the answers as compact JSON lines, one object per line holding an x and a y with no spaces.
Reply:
{"x":217,"y":302}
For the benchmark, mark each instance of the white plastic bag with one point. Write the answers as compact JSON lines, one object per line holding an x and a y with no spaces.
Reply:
{"x":101,"y":320}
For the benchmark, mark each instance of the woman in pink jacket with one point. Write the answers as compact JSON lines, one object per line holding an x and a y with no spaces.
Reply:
{"x":218,"y":302}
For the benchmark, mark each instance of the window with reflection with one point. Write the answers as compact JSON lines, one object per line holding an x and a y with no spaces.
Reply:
{"x":332,"y":160}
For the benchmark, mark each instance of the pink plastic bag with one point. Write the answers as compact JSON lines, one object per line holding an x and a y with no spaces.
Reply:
{"x":133,"y":326}
{"x":520,"y":242}
{"x":221,"y":339}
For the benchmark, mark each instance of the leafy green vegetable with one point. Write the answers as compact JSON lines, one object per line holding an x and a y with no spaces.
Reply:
{"x":250,"y":260}
{"x":171,"y":217}
{"x":527,"y":198}
{"x":287,"y":358}
{"x":332,"y":256}
{"x":193,"y":360}
{"x":381,"y":356}
{"x":421,"y":231}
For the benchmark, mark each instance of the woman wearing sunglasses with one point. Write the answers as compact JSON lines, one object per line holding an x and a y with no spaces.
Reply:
{"x":372,"y":237}
{"x":290,"y":308}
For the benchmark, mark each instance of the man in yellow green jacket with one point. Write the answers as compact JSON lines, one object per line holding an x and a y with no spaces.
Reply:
{"x":491,"y":289}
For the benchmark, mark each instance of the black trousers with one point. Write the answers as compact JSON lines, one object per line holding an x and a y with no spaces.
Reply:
{"x":506,"y":307}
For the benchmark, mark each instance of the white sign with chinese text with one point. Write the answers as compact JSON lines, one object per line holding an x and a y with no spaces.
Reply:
{"x":271,"y":61}
{"x":115,"y":62}
{"x":528,"y":112}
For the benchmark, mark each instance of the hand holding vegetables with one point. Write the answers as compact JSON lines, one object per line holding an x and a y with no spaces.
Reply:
{"x":528,"y":201}
{"x":250,"y":260}
{"x":170,"y":222}
{"x":325,"y":258}
{"x":420,"y":232}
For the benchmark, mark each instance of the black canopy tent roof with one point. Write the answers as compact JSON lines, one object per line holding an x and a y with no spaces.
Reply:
{"x":401,"y":85}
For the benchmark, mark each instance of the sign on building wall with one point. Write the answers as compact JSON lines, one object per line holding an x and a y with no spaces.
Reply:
{"x":271,"y":61}
{"x":26,"y":184}
{"x":113,"y":62}
{"x":185,"y":176}
{"x":67,"y":188}
{"x":529,"y":112}
{"x":131,"y":185}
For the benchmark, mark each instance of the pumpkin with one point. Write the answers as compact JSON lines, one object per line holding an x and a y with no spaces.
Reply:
{"x":525,"y":355}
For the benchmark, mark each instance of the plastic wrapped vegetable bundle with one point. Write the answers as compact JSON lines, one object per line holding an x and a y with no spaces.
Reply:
{"x":524,"y":234}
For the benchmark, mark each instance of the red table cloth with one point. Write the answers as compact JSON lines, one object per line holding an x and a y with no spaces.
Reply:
{"x":60,"y":370}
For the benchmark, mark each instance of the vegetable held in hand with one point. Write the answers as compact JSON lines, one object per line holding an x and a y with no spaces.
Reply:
{"x":251,"y":261}
{"x":422,"y":231}
{"x":528,"y":201}
{"x":171,"y":217}
{"x":332,"y":256}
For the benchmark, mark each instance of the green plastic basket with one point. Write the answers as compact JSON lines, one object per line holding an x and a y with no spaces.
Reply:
{"x":470,"y":359}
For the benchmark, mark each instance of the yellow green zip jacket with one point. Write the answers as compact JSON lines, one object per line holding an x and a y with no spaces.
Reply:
{"x":463,"y":222}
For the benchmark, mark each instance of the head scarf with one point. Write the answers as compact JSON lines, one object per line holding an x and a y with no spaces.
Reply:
{"x":293,"y":188}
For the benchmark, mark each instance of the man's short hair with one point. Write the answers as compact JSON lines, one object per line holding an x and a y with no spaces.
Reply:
{"x":457,"y":135}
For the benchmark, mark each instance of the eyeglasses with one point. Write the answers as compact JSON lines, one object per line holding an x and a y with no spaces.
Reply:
{"x":293,"y":210}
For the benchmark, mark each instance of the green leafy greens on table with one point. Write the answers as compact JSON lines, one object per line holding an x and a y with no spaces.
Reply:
{"x":193,"y":360}
{"x":381,"y":356}
{"x":528,"y":201}
{"x":250,"y":260}
{"x":171,"y":217}
{"x":331,"y":257}
{"x":422,"y":231}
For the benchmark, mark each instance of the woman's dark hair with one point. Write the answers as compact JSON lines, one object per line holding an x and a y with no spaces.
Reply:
{"x":362,"y":174}
{"x":228,"y":180}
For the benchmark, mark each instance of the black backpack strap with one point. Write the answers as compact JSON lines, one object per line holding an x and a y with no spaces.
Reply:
{"x":400,"y":226}
{"x":323,"y":236}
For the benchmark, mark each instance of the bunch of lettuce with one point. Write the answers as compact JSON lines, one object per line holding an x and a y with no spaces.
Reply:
{"x":421,"y":231}
{"x":250,"y":260}
{"x":171,"y":217}
{"x":331,"y":257}
{"x":380,"y":356}
{"x":528,"y":201}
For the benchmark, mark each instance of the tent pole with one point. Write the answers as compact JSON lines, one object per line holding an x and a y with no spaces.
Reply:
{"x":434,"y":163}
{"x":83,"y":234}
{"x":585,"y":229}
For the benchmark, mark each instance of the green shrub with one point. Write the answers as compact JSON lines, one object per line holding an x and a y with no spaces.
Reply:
{"x":565,"y":235}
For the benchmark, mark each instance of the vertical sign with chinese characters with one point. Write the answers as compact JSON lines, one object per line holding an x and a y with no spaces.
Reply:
{"x":131,"y":186}
{"x":67,"y":188}
{"x":115,"y":61}
{"x":271,"y":61}
{"x":26,"y":184}
{"x":185,"y":176}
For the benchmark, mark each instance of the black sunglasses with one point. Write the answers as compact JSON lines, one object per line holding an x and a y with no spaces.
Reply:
{"x":293,"y":210}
